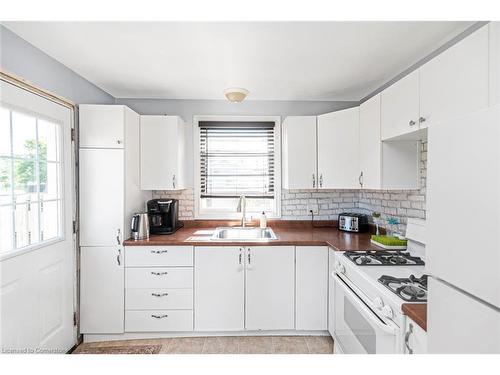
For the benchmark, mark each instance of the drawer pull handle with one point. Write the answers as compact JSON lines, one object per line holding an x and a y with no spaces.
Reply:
{"x":159,"y":273}
{"x":159,"y":294}
{"x":159,"y":316}
{"x":159,"y":251}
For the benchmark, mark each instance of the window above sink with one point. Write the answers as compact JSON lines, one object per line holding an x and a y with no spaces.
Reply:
{"x":235,"y":156}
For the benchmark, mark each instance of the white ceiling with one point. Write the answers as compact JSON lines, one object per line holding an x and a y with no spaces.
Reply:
{"x":274,"y":60}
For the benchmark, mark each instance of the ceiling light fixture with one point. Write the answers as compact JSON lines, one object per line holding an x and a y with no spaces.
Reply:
{"x":236,"y":94}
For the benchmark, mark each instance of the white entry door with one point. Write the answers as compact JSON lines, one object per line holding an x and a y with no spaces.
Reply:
{"x":37,"y":245}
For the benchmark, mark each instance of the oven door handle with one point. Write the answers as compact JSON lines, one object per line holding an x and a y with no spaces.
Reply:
{"x":367,"y":313}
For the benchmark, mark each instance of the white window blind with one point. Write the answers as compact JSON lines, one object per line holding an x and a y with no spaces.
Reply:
{"x":237,"y":158}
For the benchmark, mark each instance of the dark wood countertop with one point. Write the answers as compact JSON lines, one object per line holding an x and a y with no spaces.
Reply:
{"x":288,"y":233}
{"x":417,"y":312}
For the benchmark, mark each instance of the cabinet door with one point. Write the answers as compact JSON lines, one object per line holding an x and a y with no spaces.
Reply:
{"x":270,"y":287}
{"x":311,"y":287}
{"x":160,"y":142}
{"x":338,"y":149}
{"x":455,"y":82}
{"x":102,"y":300}
{"x":370,"y":145}
{"x":400,"y":107}
{"x":101,"y":197}
{"x":219,"y":286}
{"x":299,"y":152}
{"x":494,"y":62}
{"x":331,"y":289}
{"x":465,"y":181}
{"x":101,"y":126}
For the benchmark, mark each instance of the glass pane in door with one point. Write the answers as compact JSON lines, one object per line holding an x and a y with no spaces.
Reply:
{"x":25,"y":181}
{"x":5,"y":181}
{"x":21,"y":224}
{"x":5,"y":132}
{"x":50,"y":220}
{"x":6,"y":228}
{"x":23,"y":135}
{"x":48,"y":138}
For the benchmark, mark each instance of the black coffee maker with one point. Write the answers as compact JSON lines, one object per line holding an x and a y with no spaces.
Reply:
{"x":163,"y":216}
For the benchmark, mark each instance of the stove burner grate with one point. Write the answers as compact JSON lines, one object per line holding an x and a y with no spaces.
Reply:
{"x":383,"y":258}
{"x":411,"y":289}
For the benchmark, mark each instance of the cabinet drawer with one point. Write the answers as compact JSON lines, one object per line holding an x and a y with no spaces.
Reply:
{"x":159,"y":277}
{"x":149,"y":256}
{"x":159,"y":299}
{"x":158,"y":320}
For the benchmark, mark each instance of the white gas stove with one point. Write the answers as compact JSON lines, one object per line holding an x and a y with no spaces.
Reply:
{"x":370,"y":289}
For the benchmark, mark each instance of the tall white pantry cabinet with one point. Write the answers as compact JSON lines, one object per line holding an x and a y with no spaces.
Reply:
{"x":109,"y":195}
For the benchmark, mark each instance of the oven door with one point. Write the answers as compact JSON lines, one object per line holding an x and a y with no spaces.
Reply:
{"x":357,"y":329}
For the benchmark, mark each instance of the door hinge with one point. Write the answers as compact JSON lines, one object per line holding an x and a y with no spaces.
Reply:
{"x":72,"y":134}
{"x":74,"y":226}
{"x":75,"y":318}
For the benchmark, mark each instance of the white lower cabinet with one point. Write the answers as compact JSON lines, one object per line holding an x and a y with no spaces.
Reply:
{"x":219,"y":288}
{"x":158,"y":320}
{"x":415,"y":339}
{"x":137,"y":299}
{"x":311,"y":287}
{"x":159,"y":288}
{"x":270,"y":288}
{"x":101,"y":290}
{"x":244,"y":288}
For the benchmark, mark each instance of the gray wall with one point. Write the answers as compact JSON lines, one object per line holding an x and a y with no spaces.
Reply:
{"x":21,"y":58}
{"x":189,"y":108}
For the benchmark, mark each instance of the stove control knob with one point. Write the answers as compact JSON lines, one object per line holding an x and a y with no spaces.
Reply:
{"x":387,"y":312}
{"x":340,"y":268}
{"x":377,"y":301}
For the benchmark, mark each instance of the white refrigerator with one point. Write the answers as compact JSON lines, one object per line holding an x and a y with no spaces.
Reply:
{"x":463,"y":226}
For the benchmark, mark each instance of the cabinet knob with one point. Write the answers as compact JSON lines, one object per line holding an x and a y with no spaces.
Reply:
{"x":321,"y":180}
{"x":314,"y":181}
{"x":412,"y":123}
{"x":421,"y":119}
{"x":118,"y":141}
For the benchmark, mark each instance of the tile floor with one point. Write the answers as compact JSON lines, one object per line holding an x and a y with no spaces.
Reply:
{"x":231,"y":345}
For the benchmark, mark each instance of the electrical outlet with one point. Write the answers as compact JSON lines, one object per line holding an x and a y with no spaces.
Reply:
{"x":313,"y":208}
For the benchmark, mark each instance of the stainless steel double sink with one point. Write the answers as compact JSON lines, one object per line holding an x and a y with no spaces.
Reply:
{"x":249,"y":234}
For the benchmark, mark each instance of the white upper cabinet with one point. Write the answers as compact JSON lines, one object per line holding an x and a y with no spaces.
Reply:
{"x":103,"y":126}
{"x":370,"y":151}
{"x":456,"y":81}
{"x":299,"y":152}
{"x":162,"y":153}
{"x":338,"y":149}
{"x":494,"y":62}
{"x":400,"y":107}
{"x":270,"y":276}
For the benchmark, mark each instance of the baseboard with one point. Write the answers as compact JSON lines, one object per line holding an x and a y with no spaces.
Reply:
{"x":160,"y":335}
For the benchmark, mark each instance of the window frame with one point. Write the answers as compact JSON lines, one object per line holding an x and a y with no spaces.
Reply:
{"x":60,"y":185}
{"x":200,"y":213}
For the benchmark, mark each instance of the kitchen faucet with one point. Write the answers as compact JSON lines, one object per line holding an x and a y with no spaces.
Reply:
{"x":242,"y":207}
